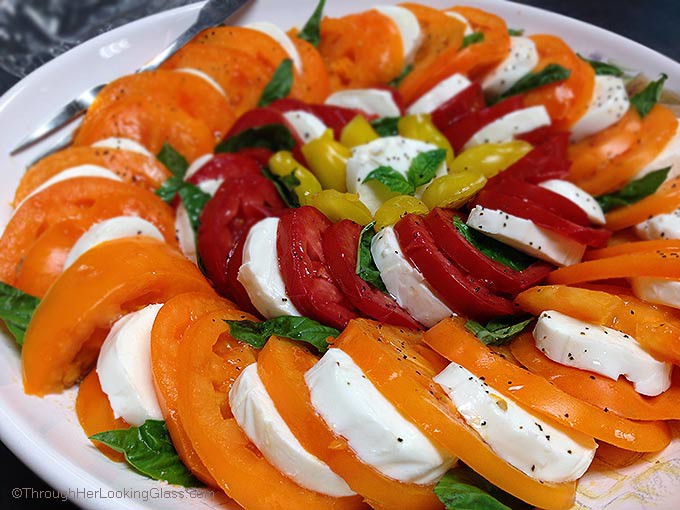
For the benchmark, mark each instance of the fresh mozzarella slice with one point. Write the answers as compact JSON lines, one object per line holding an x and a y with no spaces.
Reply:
{"x":260,"y":274}
{"x":372,"y":101}
{"x":108,"y":230}
{"x":256,"y":414}
{"x":602,"y":350}
{"x":581,"y":198}
{"x":123,"y":144}
{"x":307,"y":126}
{"x":439,"y":94}
{"x":669,"y":157}
{"x":462,"y":19}
{"x":375,"y":430}
{"x":394,"y":151}
{"x":661,"y":226}
{"x":521,"y":60}
{"x":124,"y":367}
{"x":198,"y":163}
{"x":508,"y":126}
{"x":526,"y":236}
{"x":184,"y":232}
{"x":205,"y":77}
{"x":537,"y":448}
{"x":405,"y":282}
{"x":659,"y":291}
{"x":408,"y":26}
{"x":608,"y":104}
{"x":280,"y":37}
{"x":210,"y":186}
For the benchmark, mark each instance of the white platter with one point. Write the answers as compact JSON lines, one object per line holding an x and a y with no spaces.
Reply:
{"x":45,"y":433}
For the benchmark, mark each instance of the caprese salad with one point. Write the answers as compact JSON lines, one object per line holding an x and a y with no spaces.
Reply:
{"x":405,"y":258}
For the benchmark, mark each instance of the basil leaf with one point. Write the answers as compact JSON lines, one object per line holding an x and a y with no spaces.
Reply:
{"x":366,"y":268}
{"x":301,"y":329}
{"x":404,"y":73}
{"x":285,"y":186}
{"x":602,"y":68}
{"x":473,"y":38}
{"x":634,"y":191}
{"x":275,"y":137}
{"x":169,"y":188}
{"x":150,"y":451}
{"x":392,"y":179}
{"x":497,"y":331}
{"x":515,"y":32}
{"x":463,"y":489}
{"x":280,"y":84}
{"x":311,"y":31}
{"x":495,"y":250}
{"x":645,"y":100}
{"x":173,"y":160}
{"x":424,"y":166}
{"x":194,"y":200}
{"x":387,"y":126}
{"x":549,"y":74}
{"x":16,"y":310}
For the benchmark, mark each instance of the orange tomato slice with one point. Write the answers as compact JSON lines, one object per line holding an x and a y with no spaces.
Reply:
{"x":634,"y":247}
{"x":618,"y":396}
{"x":130,"y":166}
{"x":282,"y":366}
{"x":211,"y":361}
{"x":95,"y":414}
{"x":473,"y":61}
{"x":108,"y":281}
{"x":656,"y":329}
{"x":450,"y":339}
{"x":665,"y":200}
{"x":313,"y":85}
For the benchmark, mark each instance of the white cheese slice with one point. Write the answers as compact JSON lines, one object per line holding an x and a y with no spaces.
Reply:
{"x":660,"y":291}
{"x":184,"y":232}
{"x":521,"y":60}
{"x":197,"y":164}
{"x":608,"y":104}
{"x":584,"y":200}
{"x":123,"y":144}
{"x":510,"y":125}
{"x":204,"y":76}
{"x":307,"y":126}
{"x":661,"y":226}
{"x":408,"y":26}
{"x":442,"y":92}
{"x":280,"y":37}
{"x":462,"y":19}
{"x":371,"y":101}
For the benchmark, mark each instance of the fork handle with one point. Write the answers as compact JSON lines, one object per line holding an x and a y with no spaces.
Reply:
{"x":211,"y":14}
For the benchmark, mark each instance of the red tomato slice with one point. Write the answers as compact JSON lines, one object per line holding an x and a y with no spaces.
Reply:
{"x":460,"y":291}
{"x":340,"y":243}
{"x":235,"y":207}
{"x":309,"y":283}
{"x":335,"y":117}
{"x":495,"y":199}
{"x":546,"y":161}
{"x":228,"y":167}
{"x":450,"y":241}
{"x":468,"y":100}
{"x":236,"y":290}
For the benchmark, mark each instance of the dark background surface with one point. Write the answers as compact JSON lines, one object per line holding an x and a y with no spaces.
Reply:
{"x":653,"y":23}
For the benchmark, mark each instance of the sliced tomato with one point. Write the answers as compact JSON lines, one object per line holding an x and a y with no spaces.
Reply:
{"x":468,"y":101}
{"x":459,"y":250}
{"x":340,"y":242}
{"x":237,"y":291}
{"x":227,"y":167}
{"x":282,"y":366}
{"x":335,"y":117}
{"x":635,"y":247}
{"x":209,"y":361}
{"x":313,"y":83}
{"x":494,"y":199}
{"x":309,"y":283}
{"x":462,"y":129}
{"x":460,"y":291}
{"x":618,"y":396}
{"x":130,"y":166}
{"x":665,"y":200}
{"x":545,"y":161}
{"x":236,"y":206}
{"x":68,"y":327}
{"x":253,"y":42}
{"x":450,"y":339}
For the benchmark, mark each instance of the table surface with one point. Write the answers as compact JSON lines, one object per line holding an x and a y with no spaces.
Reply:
{"x":650,"y":23}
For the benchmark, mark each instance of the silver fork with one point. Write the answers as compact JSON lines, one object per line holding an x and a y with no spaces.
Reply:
{"x":211,"y":14}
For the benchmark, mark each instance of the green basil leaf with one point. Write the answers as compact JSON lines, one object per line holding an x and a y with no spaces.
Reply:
{"x":150,"y":451}
{"x":366,"y":268}
{"x":392,"y":179}
{"x":495,"y":250}
{"x":280,"y":84}
{"x":404,"y":73}
{"x":497,"y":331}
{"x":173,"y":160}
{"x":550,"y":74}
{"x":424,"y":166}
{"x":301,"y":329}
{"x":169,"y":188}
{"x":515,"y":32}
{"x":634,"y":191}
{"x":16,"y":310}
{"x":463,"y":489}
{"x":603,"y":68}
{"x":387,"y":126}
{"x":473,"y":38}
{"x":194,"y":200}
{"x":285,"y":186}
{"x":275,"y":137}
{"x":311,"y":31}
{"x":645,"y":100}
